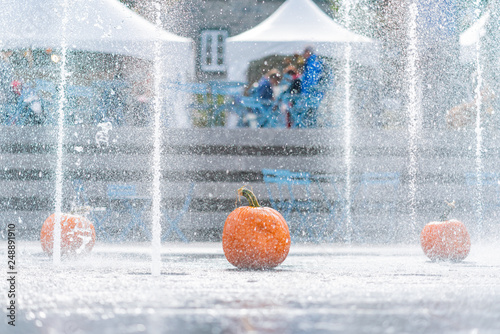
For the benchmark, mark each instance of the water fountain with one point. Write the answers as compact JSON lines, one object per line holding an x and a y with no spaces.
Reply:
{"x":320,"y":287}
{"x":157,"y":150}
{"x":59,"y":172}
{"x":413,"y":111}
{"x":348,"y":127}
{"x":479,"y":130}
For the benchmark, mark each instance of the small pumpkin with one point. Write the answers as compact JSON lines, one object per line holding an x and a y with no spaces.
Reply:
{"x":445,"y":240}
{"x":77,"y":234}
{"x":255,"y":237}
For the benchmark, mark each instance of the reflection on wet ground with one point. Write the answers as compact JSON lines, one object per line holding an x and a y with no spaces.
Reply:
{"x":318,"y":289}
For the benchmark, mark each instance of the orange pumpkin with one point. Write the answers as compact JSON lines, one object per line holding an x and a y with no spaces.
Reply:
{"x":445,"y":240}
{"x":255,"y":237}
{"x":77,"y":234}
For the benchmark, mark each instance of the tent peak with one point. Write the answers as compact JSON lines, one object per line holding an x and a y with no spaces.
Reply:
{"x":299,"y":20}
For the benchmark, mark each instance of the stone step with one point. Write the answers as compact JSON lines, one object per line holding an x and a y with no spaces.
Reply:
{"x":219,"y":161}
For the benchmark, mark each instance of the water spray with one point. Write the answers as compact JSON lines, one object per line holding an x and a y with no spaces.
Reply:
{"x":413,"y":113}
{"x":479,"y":128}
{"x":348,"y":126}
{"x":157,"y":140}
{"x":59,"y":173}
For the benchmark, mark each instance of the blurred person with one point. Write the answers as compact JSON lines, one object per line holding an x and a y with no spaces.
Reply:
{"x":312,"y":72}
{"x":298,"y":60}
{"x":464,"y":114}
{"x":32,"y":106}
{"x":7,"y":95}
{"x":141,"y":106}
{"x":292,"y":87}
{"x":266,"y":84}
{"x":311,"y":78}
{"x":292,"y":80}
{"x":266,"y":97}
{"x":26,"y":106}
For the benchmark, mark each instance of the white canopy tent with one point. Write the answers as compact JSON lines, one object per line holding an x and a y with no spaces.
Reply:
{"x":105,"y":26}
{"x":481,"y":39}
{"x":295,"y":25}
{"x":470,"y":37}
{"x":91,"y":25}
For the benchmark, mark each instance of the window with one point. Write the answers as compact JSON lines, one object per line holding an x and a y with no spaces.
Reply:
{"x":213,"y":50}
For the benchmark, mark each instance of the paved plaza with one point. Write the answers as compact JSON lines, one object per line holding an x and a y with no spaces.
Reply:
{"x":326,"y":288}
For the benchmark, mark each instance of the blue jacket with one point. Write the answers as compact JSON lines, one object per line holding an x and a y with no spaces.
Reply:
{"x":265,"y":89}
{"x":313,"y":69}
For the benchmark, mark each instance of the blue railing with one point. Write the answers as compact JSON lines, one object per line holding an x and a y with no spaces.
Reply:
{"x":39,"y":104}
{"x":210,"y":104}
{"x":124,"y":214}
{"x":316,"y":209}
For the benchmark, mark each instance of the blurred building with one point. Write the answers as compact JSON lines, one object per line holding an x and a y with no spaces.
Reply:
{"x":209,"y":23}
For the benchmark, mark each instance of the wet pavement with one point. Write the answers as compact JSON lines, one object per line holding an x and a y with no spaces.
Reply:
{"x":326,"y":288}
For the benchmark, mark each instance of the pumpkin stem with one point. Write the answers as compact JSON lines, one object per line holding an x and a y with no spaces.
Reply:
{"x":249,"y":195}
{"x":447,"y":211}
